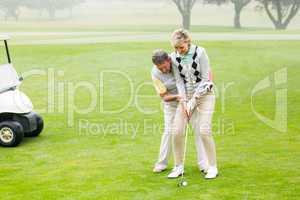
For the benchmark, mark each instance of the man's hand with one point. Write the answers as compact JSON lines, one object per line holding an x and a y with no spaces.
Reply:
{"x":178,"y":98}
{"x":170,"y":97}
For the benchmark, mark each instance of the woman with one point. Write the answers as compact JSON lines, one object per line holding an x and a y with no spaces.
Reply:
{"x":192,"y":74}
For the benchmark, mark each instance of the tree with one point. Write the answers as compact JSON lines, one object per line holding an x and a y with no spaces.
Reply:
{"x":11,"y":8}
{"x":238,"y":7}
{"x":185,"y":8}
{"x":281,"y":12}
{"x":52,"y":6}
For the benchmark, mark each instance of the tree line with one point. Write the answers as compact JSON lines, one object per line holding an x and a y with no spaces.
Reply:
{"x":11,"y":8}
{"x":280,"y":12}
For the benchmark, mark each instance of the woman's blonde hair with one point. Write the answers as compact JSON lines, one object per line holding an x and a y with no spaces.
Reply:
{"x":180,"y":36}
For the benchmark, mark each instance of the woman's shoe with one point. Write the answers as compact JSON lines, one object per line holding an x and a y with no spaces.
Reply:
{"x":176,"y":172}
{"x":212,"y":173}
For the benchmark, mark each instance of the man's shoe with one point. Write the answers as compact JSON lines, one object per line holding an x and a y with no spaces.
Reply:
{"x":159,"y":168}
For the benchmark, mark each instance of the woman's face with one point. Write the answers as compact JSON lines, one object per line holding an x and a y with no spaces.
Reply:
{"x":182,"y":48}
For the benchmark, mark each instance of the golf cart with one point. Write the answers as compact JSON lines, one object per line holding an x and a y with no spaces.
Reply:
{"x":17,"y":118}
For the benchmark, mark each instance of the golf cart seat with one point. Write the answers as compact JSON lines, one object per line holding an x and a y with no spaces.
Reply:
{"x":9,"y":78}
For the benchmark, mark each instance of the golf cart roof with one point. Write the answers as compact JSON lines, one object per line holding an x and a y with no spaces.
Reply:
{"x":4,"y":37}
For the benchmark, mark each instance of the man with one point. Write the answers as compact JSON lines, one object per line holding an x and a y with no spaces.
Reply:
{"x":165,"y":85}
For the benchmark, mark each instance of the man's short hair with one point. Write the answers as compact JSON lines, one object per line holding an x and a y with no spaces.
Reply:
{"x":159,"y":57}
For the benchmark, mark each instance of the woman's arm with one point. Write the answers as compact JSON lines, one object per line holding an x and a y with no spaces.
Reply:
{"x":205,"y":83}
{"x":181,"y":90}
{"x":205,"y":73}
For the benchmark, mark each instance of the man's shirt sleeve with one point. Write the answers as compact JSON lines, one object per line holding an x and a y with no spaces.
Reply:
{"x":159,"y":86}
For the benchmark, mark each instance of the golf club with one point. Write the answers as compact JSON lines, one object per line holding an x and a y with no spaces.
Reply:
{"x":182,"y":181}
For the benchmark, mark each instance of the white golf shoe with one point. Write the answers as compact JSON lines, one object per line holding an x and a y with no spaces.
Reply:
{"x":212,"y":173}
{"x":159,"y":168}
{"x":176,"y":171}
{"x":203,"y":169}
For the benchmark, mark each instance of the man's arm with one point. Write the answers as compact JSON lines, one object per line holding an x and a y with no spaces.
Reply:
{"x":162,"y":91}
{"x":179,"y":82}
{"x":170,"y":97}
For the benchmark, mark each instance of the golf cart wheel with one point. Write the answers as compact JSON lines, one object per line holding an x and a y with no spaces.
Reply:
{"x":11,"y":133}
{"x":39,"y":129}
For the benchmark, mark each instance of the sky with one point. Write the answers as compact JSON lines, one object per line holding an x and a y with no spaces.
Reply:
{"x":157,"y":12}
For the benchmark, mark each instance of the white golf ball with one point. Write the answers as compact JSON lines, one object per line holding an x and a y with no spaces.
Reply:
{"x":184,"y":183}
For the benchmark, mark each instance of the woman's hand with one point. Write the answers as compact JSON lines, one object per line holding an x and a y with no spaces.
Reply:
{"x":186,"y":110}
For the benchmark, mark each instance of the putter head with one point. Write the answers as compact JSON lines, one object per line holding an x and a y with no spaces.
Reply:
{"x":182,"y":183}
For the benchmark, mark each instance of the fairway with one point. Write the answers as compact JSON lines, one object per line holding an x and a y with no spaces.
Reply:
{"x":46,"y":33}
{"x":100,"y":155}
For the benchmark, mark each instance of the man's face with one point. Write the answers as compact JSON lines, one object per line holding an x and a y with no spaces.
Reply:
{"x":165,"y":67}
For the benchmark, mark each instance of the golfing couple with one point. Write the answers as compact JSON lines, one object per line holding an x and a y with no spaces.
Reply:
{"x":183,"y":81}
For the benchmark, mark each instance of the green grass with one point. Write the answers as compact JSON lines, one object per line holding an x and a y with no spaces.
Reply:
{"x":63,"y":26}
{"x":255,"y":161}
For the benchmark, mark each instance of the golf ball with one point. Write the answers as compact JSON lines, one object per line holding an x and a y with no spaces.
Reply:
{"x":184,"y":183}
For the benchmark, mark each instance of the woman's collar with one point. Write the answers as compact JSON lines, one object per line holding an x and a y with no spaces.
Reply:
{"x":191,"y":51}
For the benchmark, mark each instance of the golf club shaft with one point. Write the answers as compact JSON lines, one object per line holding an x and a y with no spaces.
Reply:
{"x":185,"y":147}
